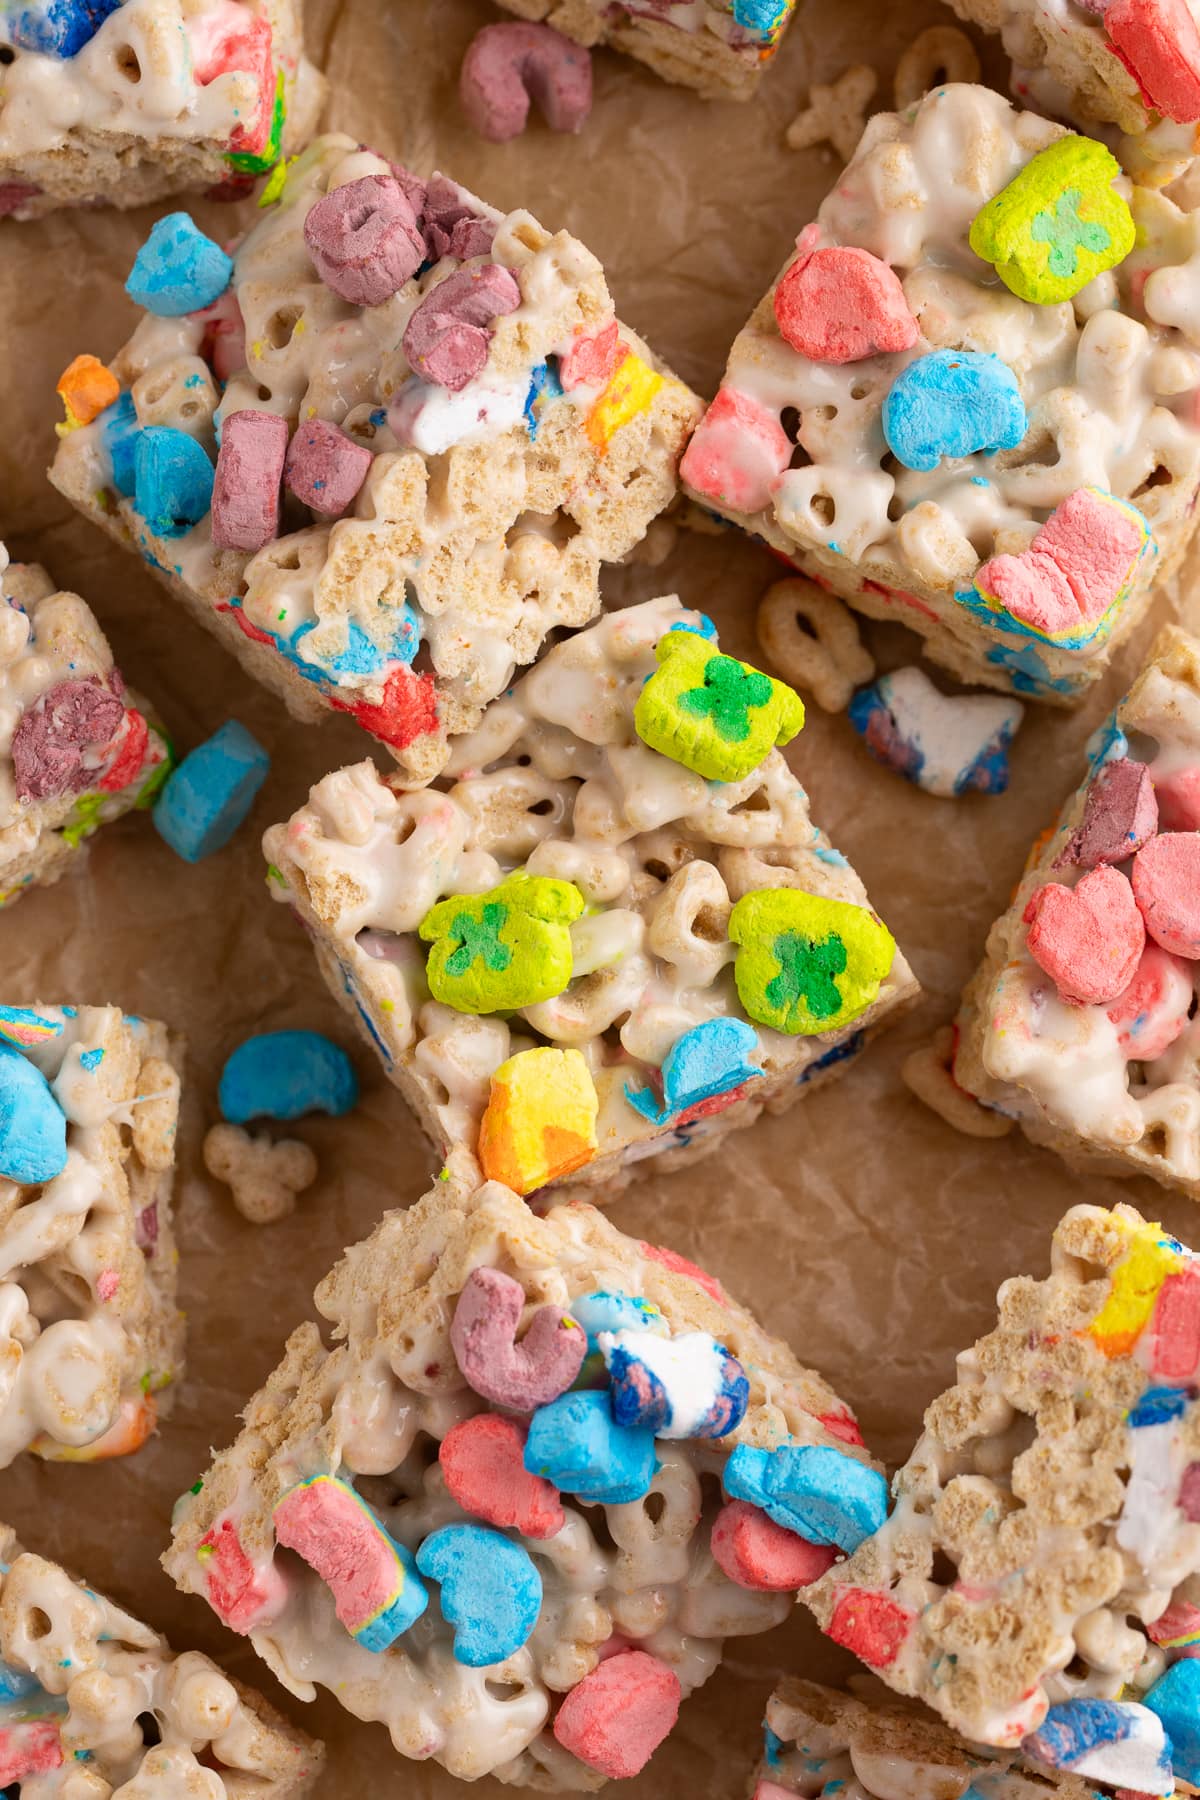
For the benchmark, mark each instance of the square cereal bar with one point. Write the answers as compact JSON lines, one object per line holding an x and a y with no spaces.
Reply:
{"x":719,"y":47}
{"x":517,"y":1554}
{"x":1130,"y":64}
{"x":969,"y":402}
{"x":463,"y":429}
{"x":78,"y":748}
{"x":1038,"y":1580}
{"x":93,"y":1702}
{"x":1090,"y":1043}
{"x":587,"y":947}
{"x":118,"y":102}
{"x":823,"y":1744}
{"x":90,"y":1335}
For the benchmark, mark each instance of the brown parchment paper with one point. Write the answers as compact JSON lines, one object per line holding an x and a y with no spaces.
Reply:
{"x":859,"y":1226}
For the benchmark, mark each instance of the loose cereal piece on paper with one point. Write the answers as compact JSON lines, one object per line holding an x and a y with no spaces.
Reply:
{"x":719,"y":47}
{"x":1038,"y":1580}
{"x":387,"y":459}
{"x":93,"y":1702}
{"x":821,"y":1742}
{"x":969,"y":402}
{"x":579,"y":950}
{"x":499,"y":1489}
{"x":81,"y":749}
{"x":1079,"y":1022}
{"x":92,"y":1337}
{"x":1130,"y":68}
{"x":150,"y":98}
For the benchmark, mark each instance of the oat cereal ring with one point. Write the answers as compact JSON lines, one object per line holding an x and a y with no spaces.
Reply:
{"x":836,"y":113}
{"x":942,"y":53}
{"x":927,"y":1071}
{"x":812,"y":637}
{"x":265,"y":1178}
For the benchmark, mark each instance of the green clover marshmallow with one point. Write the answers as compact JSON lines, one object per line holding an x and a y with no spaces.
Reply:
{"x":712,"y":713}
{"x":1057,"y":224}
{"x":806,"y":965}
{"x":507,"y":948}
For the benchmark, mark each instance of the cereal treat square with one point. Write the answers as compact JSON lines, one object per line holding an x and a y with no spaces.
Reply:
{"x":432,"y":430}
{"x":78,"y":748}
{"x":1079,"y":1022}
{"x":117,"y":102}
{"x":543,"y":1472}
{"x":90,"y":1335}
{"x":969,"y":402}
{"x":1129,"y":64}
{"x":93,"y":1703}
{"x":612,"y":931}
{"x":719,"y":47}
{"x":823,"y":1743}
{"x":1038,"y":1580}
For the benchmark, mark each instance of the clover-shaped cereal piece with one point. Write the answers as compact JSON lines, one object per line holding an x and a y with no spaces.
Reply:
{"x":807,"y":964}
{"x":506,"y":948}
{"x":712,"y":713}
{"x":1058,"y":224}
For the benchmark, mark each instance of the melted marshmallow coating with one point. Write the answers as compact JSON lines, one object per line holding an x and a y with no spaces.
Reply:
{"x":90,"y":1336}
{"x":1042,"y":1525}
{"x":556,"y":781}
{"x":376,"y":1407}
{"x":1108,"y":381}
{"x":86,"y":1674}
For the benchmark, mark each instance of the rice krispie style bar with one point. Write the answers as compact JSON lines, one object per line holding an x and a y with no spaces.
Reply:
{"x":521,"y":1552}
{"x":824,"y":1744}
{"x":93,"y":1703}
{"x":1079,"y":1022}
{"x":77,"y":748}
{"x":432,"y":429}
{"x":613,"y":931}
{"x":1132,"y":64}
{"x":969,"y":402}
{"x":117,"y":102}
{"x":719,"y":47}
{"x":1038,"y":1580}
{"x":90,"y":1335}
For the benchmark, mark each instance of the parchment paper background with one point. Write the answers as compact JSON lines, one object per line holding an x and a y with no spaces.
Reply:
{"x":859,"y":1227}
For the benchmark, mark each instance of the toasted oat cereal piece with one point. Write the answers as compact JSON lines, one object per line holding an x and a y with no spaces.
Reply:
{"x":498,"y":1483}
{"x":473,"y":433}
{"x":1114,"y":1084}
{"x":869,"y":1742}
{"x":92,"y":1338}
{"x":573,"y":952}
{"x":1129,"y":71}
{"x":79,"y":749}
{"x":997,"y":441}
{"x":1038,"y":1581}
{"x":719,"y":47}
{"x":124,"y":101}
{"x":93,"y":1702}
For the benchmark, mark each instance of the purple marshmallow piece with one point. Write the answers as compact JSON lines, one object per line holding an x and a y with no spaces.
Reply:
{"x":446,"y":340}
{"x":325,"y":468}
{"x":52,"y":738}
{"x":1120,"y":814}
{"x":509,"y":65}
{"x":245,"y":500}
{"x":365,"y":239}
